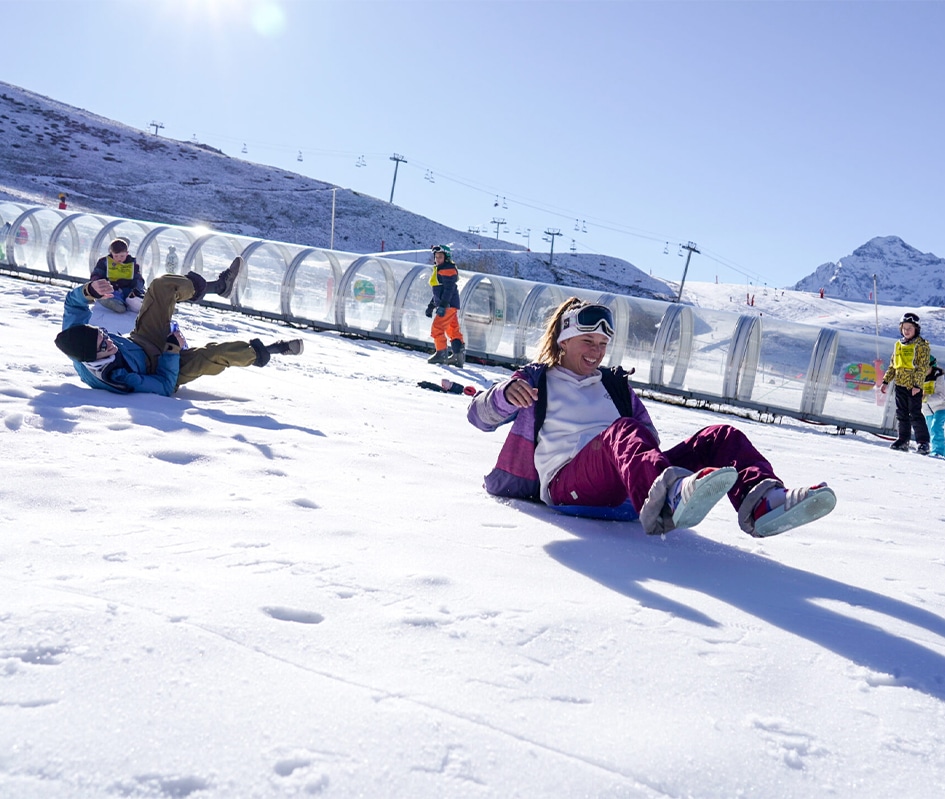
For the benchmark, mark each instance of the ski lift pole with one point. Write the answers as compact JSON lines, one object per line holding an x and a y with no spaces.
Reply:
{"x":876,"y":309}
{"x":878,"y":369}
{"x":690,"y":247}
{"x":397,"y":159}
{"x":331,"y":245}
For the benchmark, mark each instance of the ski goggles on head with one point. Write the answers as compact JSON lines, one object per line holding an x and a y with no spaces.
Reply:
{"x":587,"y":319}
{"x":909,"y":317}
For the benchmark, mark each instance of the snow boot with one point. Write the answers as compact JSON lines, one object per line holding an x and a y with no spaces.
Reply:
{"x":226,"y":280}
{"x":799,"y":506}
{"x":290,"y":347}
{"x":923,"y":449}
{"x":900,"y":446}
{"x":458,"y":356}
{"x":113,"y":304}
{"x":265,"y":351}
{"x":440,"y":356}
{"x":694,"y":496}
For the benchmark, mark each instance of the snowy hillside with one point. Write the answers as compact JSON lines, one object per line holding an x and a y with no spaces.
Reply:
{"x":904,"y":275}
{"x":106,"y":167}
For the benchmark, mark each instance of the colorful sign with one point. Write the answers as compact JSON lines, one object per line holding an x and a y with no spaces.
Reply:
{"x":859,"y":376}
{"x":364,"y":291}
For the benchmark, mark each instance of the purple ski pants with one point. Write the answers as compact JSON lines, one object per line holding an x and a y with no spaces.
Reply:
{"x":625,"y":460}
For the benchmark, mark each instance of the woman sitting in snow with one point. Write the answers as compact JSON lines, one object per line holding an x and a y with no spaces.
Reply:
{"x":581,"y":436}
{"x":154,"y":358}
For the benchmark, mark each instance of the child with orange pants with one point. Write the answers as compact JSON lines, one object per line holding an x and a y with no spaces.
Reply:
{"x":445,"y":331}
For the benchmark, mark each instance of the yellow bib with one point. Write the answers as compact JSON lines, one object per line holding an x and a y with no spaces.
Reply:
{"x":121,"y":271}
{"x":904,"y":356}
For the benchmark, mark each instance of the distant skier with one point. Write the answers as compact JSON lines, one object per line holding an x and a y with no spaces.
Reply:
{"x":445,"y":304}
{"x":171,"y":262}
{"x":154,"y":358}
{"x":907,"y":371}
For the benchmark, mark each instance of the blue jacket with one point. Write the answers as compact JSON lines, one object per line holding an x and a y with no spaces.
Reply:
{"x":129,"y":371}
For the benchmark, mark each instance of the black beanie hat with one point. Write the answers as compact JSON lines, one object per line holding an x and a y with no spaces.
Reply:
{"x":80,"y":342}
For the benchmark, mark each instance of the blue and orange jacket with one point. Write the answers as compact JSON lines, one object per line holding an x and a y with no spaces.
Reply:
{"x":443,"y":281}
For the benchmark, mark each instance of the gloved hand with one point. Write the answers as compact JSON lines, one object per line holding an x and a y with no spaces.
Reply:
{"x":99,"y":288}
{"x":441,"y":310}
{"x":429,"y":310}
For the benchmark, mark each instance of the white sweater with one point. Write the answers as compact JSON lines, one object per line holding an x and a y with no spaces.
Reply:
{"x":579,"y":408}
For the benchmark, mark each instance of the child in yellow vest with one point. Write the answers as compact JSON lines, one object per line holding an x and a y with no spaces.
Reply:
{"x":907,"y":371}
{"x":121,"y":270}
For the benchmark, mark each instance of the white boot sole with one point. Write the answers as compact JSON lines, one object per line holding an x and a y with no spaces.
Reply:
{"x":708,"y":491}
{"x":815,"y":506}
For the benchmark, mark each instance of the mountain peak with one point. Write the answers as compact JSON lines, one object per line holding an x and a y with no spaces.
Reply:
{"x":903,"y":275}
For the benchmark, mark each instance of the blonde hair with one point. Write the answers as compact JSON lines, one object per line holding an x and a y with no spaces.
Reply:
{"x":549,"y":350}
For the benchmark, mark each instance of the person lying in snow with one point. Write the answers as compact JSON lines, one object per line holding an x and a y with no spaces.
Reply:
{"x":155,"y":358}
{"x":581,"y":436}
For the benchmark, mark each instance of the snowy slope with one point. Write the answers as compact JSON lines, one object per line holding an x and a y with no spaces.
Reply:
{"x":106,"y":167}
{"x":809,"y":308}
{"x":289,"y":582}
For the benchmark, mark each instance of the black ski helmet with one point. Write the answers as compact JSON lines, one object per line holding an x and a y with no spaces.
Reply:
{"x":912,"y":319}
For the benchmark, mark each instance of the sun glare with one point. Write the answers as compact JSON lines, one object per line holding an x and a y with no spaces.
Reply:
{"x":265,"y":17}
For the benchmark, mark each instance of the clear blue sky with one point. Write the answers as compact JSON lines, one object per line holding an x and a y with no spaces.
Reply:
{"x":774,"y":135}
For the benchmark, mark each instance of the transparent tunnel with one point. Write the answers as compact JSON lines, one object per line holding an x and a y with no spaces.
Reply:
{"x":766,"y":365}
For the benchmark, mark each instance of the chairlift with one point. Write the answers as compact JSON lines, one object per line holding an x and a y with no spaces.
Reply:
{"x":504,"y":204}
{"x":680,"y":251}
{"x":576,"y":225}
{"x":245,"y":150}
{"x":583,"y":226}
{"x":360,"y":161}
{"x":666,"y":249}
{"x":300,"y":156}
{"x":496,"y":203}
{"x":194,"y":139}
{"x":518,"y":231}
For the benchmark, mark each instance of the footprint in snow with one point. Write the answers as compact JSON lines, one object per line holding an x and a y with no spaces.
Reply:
{"x":292,"y":614}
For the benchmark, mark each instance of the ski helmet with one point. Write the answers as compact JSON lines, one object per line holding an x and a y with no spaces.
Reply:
{"x":443,"y":248}
{"x":912,"y":319}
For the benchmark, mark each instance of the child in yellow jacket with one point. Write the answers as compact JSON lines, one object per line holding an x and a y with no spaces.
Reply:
{"x":907,"y":371}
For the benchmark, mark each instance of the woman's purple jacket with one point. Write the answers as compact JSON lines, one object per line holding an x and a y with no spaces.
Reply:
{"x":514,"y":474}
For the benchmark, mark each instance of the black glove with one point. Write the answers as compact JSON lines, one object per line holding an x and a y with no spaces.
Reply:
{"x":441,"y":310}
{"x":92,"y":292}
{"x":429,"y":310}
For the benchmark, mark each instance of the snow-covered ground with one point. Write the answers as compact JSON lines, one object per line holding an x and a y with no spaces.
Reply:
{"x":289,"y":582}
